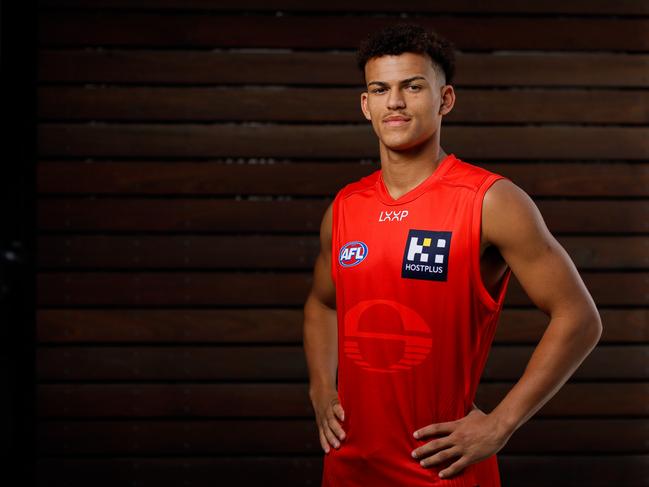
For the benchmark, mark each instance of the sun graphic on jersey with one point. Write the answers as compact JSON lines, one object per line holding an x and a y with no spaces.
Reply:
{"x":382,"y":335}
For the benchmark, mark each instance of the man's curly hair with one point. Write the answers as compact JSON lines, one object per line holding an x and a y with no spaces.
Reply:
{"x":408,"y":37}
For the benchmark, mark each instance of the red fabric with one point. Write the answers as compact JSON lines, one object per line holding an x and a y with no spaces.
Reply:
{"x":415,"y":323}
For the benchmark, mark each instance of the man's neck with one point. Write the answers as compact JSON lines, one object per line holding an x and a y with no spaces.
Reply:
{"x":400,"y":174}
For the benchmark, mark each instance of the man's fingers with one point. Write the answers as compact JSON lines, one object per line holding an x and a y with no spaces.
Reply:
{"x":330,"y":430}
{"x":329,"y":434}
{"x":436,"y":429}
{"x":336,"y":428}
{"x":434,"y":447}
{"x":323,"y":441}
{"x":338,"y":409}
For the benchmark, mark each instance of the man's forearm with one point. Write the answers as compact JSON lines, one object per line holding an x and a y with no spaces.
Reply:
{"x":563,"y":347}
{"x":320,"y":344}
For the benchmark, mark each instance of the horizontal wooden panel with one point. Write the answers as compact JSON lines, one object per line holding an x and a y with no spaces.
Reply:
{"x":270,"y":325}
{"x":160,"y":437}
{"x":328,"y":141}
{"x":143,"y":252}
{"x":528,"y":470}
{"x":316,"y":32}
{"x":331,"y":105}
{"x":292,"y":400}
{"x":203,"y":363}
{"x":257,"y":215}
{"x":591,"y":7}
{"x":263,"y":289}
{"x":316,"y":179}
{"x":199,"y":67}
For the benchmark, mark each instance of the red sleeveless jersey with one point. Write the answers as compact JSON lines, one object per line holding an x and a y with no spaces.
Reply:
{"x":415,"y":323}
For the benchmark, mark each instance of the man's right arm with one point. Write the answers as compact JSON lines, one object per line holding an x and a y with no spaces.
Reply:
{"x":320,"y":333}
{"x":321,"y":344}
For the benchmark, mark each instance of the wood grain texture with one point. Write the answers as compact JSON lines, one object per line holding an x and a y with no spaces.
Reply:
{"x":590,"y":7}
{"x":274,"y":178}
{"x":290,"y":400}
{"x":264,"y":288}
{"x":296,"y":104}
{"x":219,"y":437}
{"x":220,"y":215}
{"x":314,"y":32}
{"x":192,"y":67}
{"x":353,"y":140}
{"x":561,"y":470}
{"x":272,"y":252}
{"x":275,"y":326}
{"x":282,"y":362}
{"x":187,"y":152}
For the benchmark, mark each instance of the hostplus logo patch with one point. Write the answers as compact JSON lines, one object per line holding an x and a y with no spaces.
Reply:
{"x":426,"y":255}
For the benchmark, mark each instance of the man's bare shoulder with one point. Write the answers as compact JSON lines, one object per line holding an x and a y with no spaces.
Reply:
{"x":513,"y":223}
{"x":509,"y":215}
{"x":326,"y":228}
{"x":324,"y":289}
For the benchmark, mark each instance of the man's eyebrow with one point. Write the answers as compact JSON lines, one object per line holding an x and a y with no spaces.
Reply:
{"x":404,"y":81}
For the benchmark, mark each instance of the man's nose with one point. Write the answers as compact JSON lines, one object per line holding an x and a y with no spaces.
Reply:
{"x":395,"y":99}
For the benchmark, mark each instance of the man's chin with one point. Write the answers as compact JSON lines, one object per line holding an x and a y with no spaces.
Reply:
{"x":398,"y":145}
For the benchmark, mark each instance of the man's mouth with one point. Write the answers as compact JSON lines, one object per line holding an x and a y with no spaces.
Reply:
{"x":395,"y":122}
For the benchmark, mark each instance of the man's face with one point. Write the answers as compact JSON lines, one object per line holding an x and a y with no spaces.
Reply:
{"x":422,"y":101}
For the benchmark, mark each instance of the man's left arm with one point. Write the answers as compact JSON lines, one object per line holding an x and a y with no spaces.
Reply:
{"x":512,"y":222}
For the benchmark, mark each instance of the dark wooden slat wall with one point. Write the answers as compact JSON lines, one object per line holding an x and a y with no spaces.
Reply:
{"x":187,"y":151}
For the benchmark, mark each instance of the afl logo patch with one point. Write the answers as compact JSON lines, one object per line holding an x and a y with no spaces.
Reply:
{"x":352,"y":253}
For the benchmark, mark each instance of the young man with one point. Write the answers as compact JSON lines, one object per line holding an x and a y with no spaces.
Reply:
{"x":408,"y":287}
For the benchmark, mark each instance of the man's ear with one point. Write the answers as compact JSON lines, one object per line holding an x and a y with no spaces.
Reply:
{"x":364,"y":109}
{"x":446,"y":102}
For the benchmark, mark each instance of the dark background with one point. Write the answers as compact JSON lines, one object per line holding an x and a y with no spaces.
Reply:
{"x":166,"y":167}
{"x":18,"y":76}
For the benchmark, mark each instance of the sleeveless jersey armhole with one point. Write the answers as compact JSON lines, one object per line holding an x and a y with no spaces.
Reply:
{"x":476,"y":225}
{"x":334,"y":238}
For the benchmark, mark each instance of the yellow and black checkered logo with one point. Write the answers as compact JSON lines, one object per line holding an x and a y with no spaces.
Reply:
{"x":426,"y":255}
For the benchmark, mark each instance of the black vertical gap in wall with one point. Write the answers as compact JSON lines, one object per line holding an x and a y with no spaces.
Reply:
{"x":18,"y":155}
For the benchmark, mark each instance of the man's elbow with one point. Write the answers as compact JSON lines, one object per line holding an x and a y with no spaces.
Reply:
{"x":591,"y":324}
{"x":583,"y":323}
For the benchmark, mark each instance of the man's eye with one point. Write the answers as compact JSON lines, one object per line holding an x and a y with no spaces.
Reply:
{"x":418,"y":87}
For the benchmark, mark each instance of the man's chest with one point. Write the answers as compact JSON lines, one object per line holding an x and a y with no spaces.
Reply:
{"x":423,"y":240}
